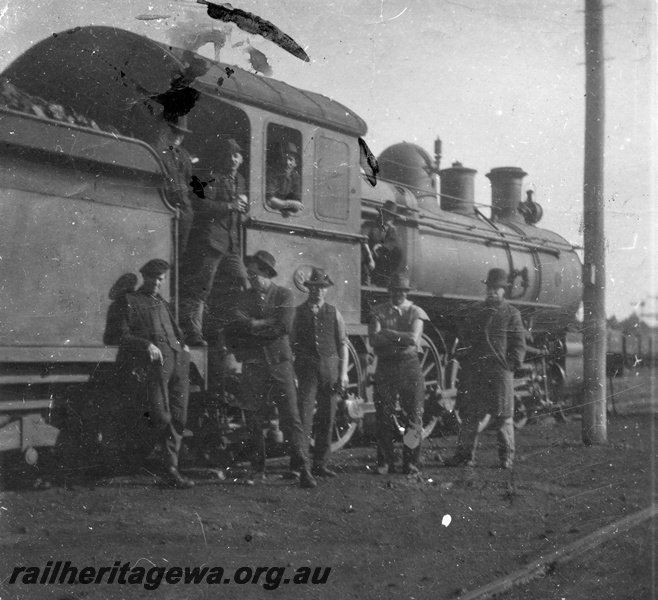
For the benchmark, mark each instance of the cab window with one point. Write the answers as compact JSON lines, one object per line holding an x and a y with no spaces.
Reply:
{"x":332,"y":179}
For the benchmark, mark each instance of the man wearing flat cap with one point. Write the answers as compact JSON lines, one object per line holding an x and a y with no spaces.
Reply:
{"x":152,"y":352}
{"x":284,"y":188}
{"x":213,"y":252}
{"x":178,"y":171}
{"x":492,"y":338}
{"x":259,"y":335}
{"x":319,"y":343}
{"x":395,"y":331}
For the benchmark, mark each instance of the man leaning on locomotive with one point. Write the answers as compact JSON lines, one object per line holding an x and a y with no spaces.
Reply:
{"x":153,"y":361}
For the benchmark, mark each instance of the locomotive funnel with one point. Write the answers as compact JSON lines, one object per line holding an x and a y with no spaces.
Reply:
{"x":506,"y":193}
{"x":458,"y":189}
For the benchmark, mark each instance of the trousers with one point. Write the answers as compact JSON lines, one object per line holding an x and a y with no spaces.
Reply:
{"x":201,"y":267}
{"x":398,"y":378}
{"x":165,"y":410}
{"x":315,"y":390}
{"x":267,"y":386}
{"x":486,"y":391}
{"x":468,"y":437}
{"x":184,"y":226}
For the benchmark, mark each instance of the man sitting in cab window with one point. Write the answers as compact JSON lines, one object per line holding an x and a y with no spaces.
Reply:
{"x":284,"y":187}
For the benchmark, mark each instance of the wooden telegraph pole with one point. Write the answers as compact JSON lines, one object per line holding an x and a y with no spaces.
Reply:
{"x":594,"y":429}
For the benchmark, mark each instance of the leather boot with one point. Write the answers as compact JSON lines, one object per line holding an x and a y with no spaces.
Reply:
{"x":175,"y":479}
{"x":323,"y":471}
{"x":306,"y":480}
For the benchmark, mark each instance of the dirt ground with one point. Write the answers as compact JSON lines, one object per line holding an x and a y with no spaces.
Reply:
{"x":451,"y":531}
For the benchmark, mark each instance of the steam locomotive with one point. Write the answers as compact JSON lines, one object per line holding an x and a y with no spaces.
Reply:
{"x":83,"y":200}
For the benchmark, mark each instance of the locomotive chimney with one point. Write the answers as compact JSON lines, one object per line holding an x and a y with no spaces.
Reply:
{"x":458,"y":189}
{"x":506,"y":193}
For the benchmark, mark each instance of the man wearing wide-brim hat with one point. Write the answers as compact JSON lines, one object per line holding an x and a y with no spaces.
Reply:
{"x":319,"y":343}
{"x":395,"y":331}
{"x":284,"y":186}
{"x":258,"y":333}
{"x":493,"y":337}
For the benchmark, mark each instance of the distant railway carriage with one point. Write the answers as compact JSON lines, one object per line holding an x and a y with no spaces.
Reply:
{"x":630,"y":350}
{"x":83,"y":202}
{"x":647,"y":343}
{"x":615,"y":352}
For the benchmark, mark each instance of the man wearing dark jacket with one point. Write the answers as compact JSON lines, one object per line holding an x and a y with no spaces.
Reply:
{"x":213,"y":248}
{"x":258,"y":333}
{"x":319,"y":343}
{"x":152,"y":353}
{"x":493,"y":346}
{"x":178,"y":172}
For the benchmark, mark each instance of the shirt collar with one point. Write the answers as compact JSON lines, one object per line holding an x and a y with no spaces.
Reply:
{"x":269,"y":292}
{"x":142,"y":291}
{"x":317,"y":305}
{"x":404,"y":306}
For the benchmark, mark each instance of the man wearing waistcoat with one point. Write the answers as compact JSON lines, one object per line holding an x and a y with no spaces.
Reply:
{"x":213,"y":248}
{"x":153,"y":355}
{"x":395,"y":332}
{"x":319,"y":343}
{"x":493,"y":341}
{"x":258,"y":334}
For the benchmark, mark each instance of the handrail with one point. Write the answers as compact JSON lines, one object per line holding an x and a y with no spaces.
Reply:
{"x":254,"y":223}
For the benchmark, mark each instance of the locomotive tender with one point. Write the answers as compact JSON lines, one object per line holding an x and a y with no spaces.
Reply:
{"x":83,"y":201}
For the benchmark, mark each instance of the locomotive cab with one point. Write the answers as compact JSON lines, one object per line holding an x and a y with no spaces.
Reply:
{"x":263,"y":116}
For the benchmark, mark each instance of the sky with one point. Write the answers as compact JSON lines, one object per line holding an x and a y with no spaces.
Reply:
{"x":502,"y":82}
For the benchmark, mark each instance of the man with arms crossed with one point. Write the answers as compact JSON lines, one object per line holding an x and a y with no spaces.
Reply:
{"x":258,"y":332}
{"x":395,"y":331}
